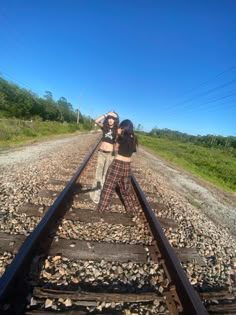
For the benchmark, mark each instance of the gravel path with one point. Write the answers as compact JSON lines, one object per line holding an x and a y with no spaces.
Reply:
{"x":205,"y":215}
{"x":219,"y":206}
{"x":32,"y":152}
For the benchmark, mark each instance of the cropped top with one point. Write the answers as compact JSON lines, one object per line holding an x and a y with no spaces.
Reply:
{"x":127,"y":145}
{"x":109,"y":135}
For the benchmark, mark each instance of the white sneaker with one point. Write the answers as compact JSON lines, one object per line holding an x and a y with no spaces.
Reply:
{"x":95,"y":200}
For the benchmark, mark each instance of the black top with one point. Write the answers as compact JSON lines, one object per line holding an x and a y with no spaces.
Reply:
{"x":127,"y":145}
{"x":109,"y":135}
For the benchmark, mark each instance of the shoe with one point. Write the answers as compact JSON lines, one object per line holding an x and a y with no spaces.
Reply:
{"x":96,"y":201}
{"x":96,"y":198}
{"x":91,"y":195}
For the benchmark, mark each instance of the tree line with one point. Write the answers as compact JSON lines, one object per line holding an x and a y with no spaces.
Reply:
{"x":23,"y":104}
{"x":207,"y":141}
{"x":16,"y":102}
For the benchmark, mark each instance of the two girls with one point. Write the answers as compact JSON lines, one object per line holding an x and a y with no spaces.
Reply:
{"x":119,"y":171}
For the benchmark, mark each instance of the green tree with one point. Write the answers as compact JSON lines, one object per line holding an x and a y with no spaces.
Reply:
{"x":66,"y":110}
{"x":51,"y":111}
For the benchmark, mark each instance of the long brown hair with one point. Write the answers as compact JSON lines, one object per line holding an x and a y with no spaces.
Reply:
{"x":115,"y":125}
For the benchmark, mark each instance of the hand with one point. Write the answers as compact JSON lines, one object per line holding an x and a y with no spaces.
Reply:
{"x":111,"y":114}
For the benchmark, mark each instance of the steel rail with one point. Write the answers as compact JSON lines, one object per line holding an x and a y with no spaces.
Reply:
{"x":14,"y":284}
{"x":191,"y":302}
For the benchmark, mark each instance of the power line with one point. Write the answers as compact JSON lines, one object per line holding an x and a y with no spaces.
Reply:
{"x":5,"y":74}
{"x":208,"y":81}
{"x":34,"y":95}
{"x":206,"y":92}
{"x":202,"y":107}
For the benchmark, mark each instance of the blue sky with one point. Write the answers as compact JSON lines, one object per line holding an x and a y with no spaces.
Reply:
{"x":161,"y":63}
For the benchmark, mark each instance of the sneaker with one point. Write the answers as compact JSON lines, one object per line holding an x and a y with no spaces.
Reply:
{"x":91,"y":195}
{"x":96,"y":197}
{"x":95,"y":200}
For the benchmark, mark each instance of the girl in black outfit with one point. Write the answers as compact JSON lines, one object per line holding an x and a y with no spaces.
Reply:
{"x":119,"y":172}
{"x":108,"y":123}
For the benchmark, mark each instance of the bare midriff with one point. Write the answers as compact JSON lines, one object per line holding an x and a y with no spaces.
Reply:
{"x":122,"y":158}
{"x":106,"y":146}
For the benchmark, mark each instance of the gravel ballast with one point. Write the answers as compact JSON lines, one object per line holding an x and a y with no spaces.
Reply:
{"x":205,"y":215}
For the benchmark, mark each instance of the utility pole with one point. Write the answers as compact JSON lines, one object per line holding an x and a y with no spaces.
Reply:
{"x":78,"y":114}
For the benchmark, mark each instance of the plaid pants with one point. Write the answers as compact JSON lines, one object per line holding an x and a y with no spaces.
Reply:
{"x":119,"y":173}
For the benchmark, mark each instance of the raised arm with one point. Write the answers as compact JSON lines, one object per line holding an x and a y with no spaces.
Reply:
{"x":98,"y":120}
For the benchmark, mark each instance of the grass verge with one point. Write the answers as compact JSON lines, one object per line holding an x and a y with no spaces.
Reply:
{"x":216,"y":166}
{"x":14,"y":132}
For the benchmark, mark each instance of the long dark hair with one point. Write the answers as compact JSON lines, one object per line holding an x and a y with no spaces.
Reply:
{"x":127,"y":126}
{"x":116,"y":123}
{"x":128,"y":132}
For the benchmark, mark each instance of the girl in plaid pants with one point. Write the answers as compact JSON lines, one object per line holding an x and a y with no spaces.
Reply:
{"x":119,"y":172}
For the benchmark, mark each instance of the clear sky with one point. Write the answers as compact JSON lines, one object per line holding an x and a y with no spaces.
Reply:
{"x":161,"y":63}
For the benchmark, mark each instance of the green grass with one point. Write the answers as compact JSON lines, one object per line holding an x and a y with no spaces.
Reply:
{"x":216,"y":166}
{"x":14,"y":132}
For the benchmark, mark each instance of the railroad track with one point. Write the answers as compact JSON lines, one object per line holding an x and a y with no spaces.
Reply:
{"x":78,"y":261}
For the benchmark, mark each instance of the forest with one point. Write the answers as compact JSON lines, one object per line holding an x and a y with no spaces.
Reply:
{"x":25,"y":116}
{"x":210,"y":141}
{"x":16,"y":102}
